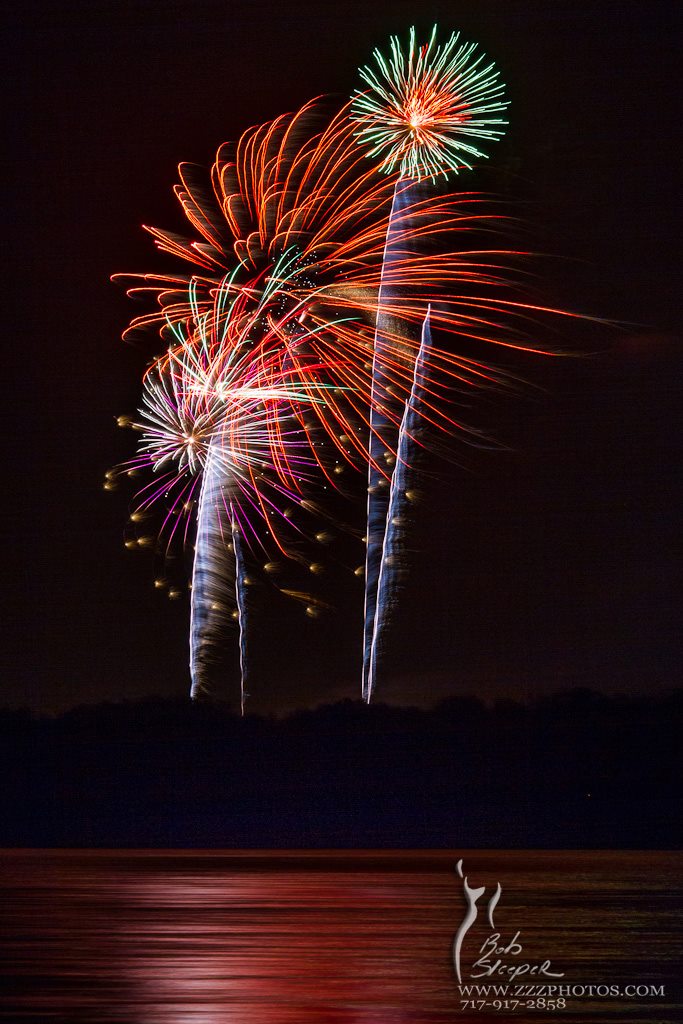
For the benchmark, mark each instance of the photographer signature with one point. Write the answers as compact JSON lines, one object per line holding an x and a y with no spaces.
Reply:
{"x":493,"y":955}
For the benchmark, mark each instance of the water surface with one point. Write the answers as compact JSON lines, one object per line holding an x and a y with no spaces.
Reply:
{"x":334,"y":938}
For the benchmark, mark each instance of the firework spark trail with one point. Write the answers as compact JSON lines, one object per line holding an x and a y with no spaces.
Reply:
{"x":389,"y":565}
{"x":229,"y":498}
{"x":240,"y":600}
{"x":383,"y":431}
{"x":214,"y":566}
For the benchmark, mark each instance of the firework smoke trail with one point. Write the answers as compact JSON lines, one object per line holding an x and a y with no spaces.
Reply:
{"x":387,"y":576}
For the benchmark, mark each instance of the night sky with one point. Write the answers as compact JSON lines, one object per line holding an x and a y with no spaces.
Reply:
{"x":547,"y":565}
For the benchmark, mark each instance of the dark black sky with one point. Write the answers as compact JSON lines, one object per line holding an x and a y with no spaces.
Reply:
{"x":549,"y":565}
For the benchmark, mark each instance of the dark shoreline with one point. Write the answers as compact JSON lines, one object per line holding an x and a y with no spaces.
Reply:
{"x":571,"y":771}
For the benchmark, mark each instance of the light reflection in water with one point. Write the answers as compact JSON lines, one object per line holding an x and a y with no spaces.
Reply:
{"x":335,"y":942}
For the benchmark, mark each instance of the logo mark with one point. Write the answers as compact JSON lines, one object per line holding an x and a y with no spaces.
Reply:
{"x":497,"y":956}
{"x":472,"y":896}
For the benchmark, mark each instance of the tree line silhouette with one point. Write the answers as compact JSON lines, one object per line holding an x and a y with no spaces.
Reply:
{"x":575,"y":769}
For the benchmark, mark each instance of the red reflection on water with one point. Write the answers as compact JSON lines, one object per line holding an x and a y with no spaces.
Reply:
{"x":291,"y":945}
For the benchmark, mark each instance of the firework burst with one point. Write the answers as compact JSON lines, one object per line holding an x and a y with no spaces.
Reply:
{"x":226,"y":379}
{"x":425,"y":112}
